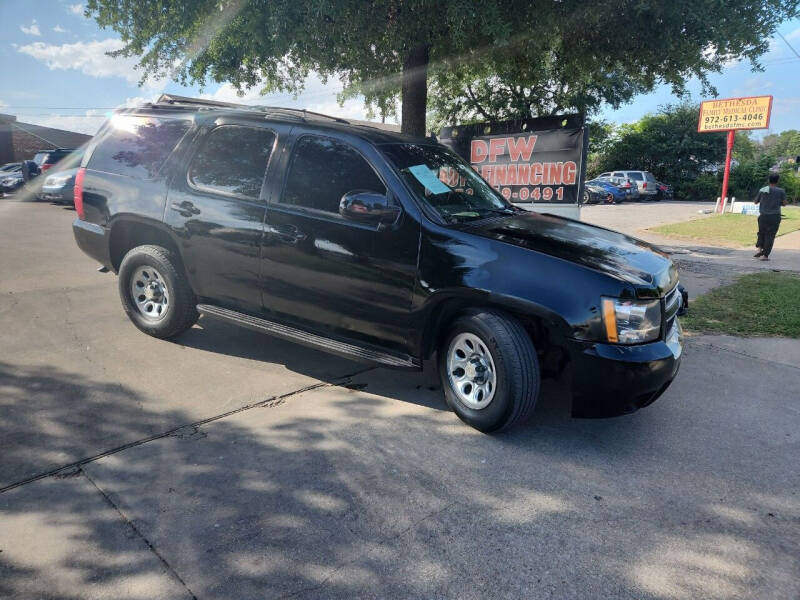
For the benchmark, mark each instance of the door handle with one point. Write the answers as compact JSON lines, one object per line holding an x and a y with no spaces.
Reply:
{"x":185,"y":208}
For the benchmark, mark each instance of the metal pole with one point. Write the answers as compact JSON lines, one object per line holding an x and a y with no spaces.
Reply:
{"x":731,"y":137}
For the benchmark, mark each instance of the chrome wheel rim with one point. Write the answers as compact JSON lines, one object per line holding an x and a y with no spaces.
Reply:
{"x":150,"y":294}
{"x":471,"y":371}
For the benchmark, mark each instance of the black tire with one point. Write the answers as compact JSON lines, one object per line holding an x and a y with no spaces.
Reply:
{"x":181,"y":313}
{"x":516,"y":365}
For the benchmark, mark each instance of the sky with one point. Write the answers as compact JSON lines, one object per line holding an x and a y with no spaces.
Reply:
{"x":55,"y":73}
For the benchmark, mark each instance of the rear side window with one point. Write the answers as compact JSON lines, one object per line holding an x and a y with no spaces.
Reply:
{"x":636,"y":176}
{"x":323,"y":170}
{"x":137,"y":146}
{"x":40,"y":158}
{"x":233,"y":160}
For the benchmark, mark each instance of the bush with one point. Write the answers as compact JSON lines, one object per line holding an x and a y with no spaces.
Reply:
{"x":790,"y":181}
{"x":704,"y":187}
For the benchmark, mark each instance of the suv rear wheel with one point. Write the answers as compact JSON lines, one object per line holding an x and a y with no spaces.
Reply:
{"x":155,"y":293}
{"x":489,"y":370}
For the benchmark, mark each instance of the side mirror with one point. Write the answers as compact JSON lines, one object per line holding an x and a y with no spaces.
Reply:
{"x":364,"y":206}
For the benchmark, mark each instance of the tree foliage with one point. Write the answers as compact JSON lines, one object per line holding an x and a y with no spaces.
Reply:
{"x":549,"y":56}
{"x":785,"y":144}
{"x":668,"y":145}
{"x":665,"y":143}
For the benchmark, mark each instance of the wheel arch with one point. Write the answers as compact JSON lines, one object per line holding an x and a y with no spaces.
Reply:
{"x":544,"y":327}
{"x":127,"y":232}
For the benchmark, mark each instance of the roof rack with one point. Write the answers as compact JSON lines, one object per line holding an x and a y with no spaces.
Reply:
{"x":302,"y":113}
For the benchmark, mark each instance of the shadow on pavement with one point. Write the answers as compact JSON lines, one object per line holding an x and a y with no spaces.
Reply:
{"x":344,"y":492}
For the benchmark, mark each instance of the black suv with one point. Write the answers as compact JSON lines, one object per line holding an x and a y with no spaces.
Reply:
{"x":376,"y":246}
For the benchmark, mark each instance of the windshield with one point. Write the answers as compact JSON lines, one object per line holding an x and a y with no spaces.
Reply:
{"x":443,"y":181}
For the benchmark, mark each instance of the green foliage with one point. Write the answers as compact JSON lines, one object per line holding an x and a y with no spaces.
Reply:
{"x":526,"y":58}
{"x":790,"y":181}
{"x":668,"y":145}
{"x":785,"y":144}
{"x":705,"y":187}
{"x":744,"y":147}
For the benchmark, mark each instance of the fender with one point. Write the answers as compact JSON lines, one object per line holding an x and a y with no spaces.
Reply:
{"x":443,"y":305}
{"x":127,"y":230}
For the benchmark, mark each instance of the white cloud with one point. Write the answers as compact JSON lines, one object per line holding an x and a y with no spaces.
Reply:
{"x":76,"y":9}
{"x":794,"y":35}
{"x":316,"y":96}
{"x":88,"y":57}
{"x":32,"y":30}
{"x":59,"y":29}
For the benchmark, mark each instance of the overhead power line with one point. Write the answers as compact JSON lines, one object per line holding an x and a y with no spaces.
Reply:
{"x":788,"y":44}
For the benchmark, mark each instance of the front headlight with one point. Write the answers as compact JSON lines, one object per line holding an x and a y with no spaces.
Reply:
{"x":630,"y":321}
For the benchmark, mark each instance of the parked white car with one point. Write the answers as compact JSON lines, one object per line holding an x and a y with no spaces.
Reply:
{"x":645,"y":180}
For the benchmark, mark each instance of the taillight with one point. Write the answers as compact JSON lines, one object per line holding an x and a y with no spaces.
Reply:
{"x":44,"y":167}
{"x":77,"y":194}
{"x":644,"y":187}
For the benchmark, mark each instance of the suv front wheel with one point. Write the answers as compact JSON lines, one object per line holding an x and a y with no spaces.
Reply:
{"x":155,"y":293}
{"x":489,"y":370}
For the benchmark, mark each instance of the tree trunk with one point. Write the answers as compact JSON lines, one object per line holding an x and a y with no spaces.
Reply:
{"x":415,"y":91}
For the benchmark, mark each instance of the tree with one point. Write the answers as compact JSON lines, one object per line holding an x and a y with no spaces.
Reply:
{"x":667,"y":144}
{"x":388,"y":48}
{"x":744,"y":147}
{"x":785,"y":144}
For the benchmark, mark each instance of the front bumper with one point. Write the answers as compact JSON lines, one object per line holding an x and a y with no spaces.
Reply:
{"x":610,"y":380}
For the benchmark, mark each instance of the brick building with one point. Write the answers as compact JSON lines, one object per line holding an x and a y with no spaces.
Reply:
{"x":20,"y":141}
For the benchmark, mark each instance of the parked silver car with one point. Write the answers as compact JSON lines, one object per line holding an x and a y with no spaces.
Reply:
{"x":645,"y":180}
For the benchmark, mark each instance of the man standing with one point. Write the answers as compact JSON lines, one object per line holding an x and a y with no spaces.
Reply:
{"x":771,"y":198}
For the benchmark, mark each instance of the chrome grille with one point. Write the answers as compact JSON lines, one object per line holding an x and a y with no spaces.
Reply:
{"x":672,"y":304}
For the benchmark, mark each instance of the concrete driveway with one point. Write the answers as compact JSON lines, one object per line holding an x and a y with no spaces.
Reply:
{"x":231,"y":465}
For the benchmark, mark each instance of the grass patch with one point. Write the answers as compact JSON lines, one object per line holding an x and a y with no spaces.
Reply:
{"x":759,"y":304}
{"x":740,"y":230}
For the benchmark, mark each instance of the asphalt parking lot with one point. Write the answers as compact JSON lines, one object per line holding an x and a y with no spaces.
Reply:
{"x":227,"y":464}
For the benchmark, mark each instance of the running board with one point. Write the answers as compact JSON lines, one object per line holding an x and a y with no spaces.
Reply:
{"x":309,"y":339}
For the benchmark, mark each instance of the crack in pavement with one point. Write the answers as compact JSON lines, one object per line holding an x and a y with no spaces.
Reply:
{"x":712,"y":346}
{"x":271,"y":402}
{"x":130,"y":524}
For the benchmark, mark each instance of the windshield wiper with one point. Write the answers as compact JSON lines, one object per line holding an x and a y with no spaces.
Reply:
{"x":499,"y":211}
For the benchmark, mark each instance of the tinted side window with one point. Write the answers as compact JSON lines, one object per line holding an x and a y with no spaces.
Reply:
{"x":636,"y":176}
{"x":137,"y":146}
{"x":323,"y":170}
{"x":233,"y":160}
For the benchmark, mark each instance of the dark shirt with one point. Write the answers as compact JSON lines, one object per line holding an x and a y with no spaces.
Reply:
{"x":771,"y":198}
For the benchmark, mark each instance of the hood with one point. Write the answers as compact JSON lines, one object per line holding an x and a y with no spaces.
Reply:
{"x":620,"y":256}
